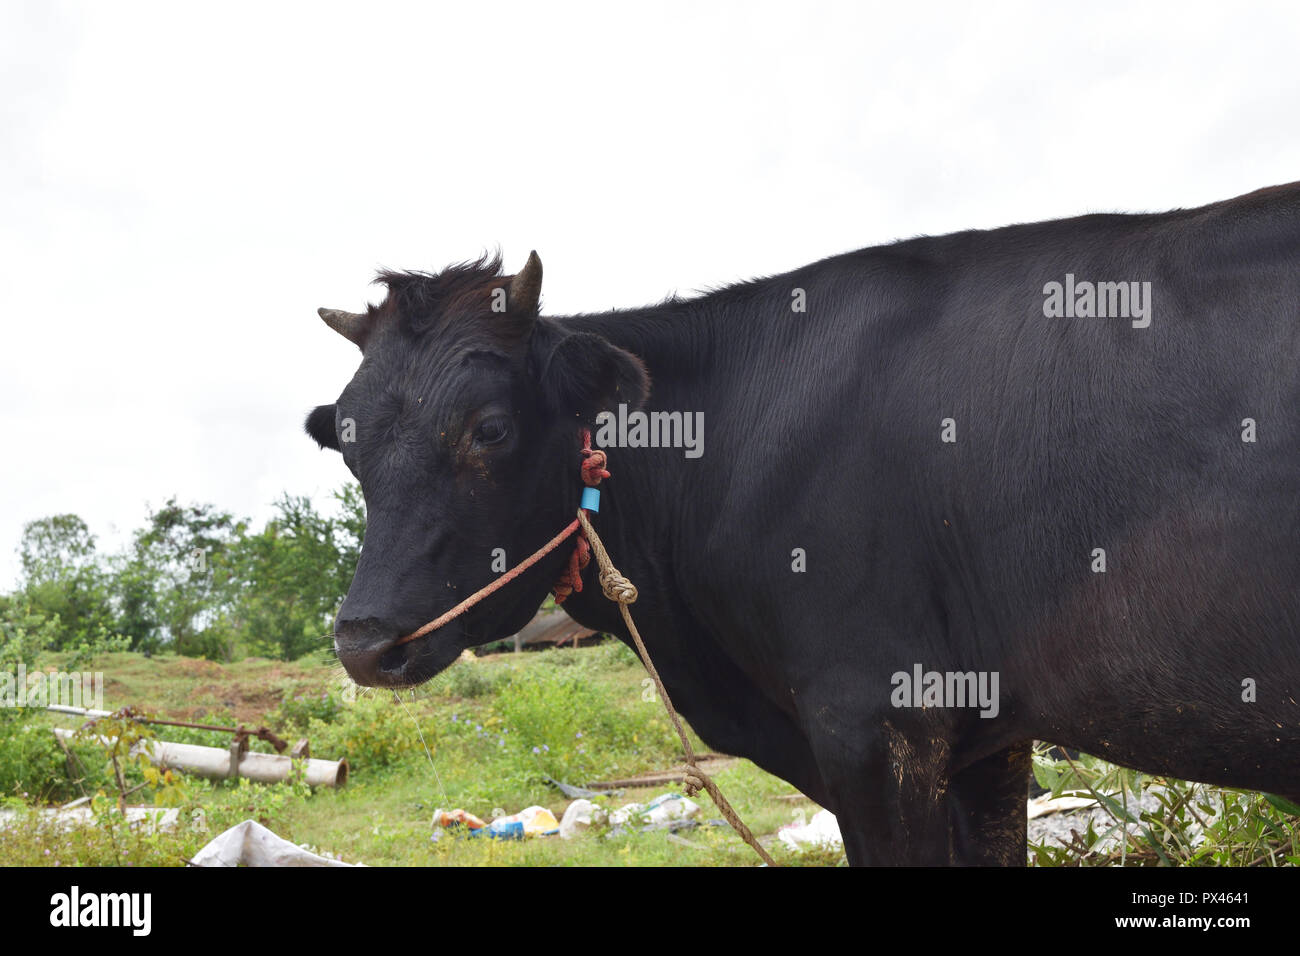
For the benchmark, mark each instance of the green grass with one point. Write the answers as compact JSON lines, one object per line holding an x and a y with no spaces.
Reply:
{"x":493,"y":727}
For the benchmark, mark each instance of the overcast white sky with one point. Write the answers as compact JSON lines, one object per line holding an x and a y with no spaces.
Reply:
{"x":182,"y":186}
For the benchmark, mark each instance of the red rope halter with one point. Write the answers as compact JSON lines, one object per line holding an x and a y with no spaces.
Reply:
{"x":593,"y":471}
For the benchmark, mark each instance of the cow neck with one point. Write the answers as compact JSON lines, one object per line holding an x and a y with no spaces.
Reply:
{"x":675,"y":340}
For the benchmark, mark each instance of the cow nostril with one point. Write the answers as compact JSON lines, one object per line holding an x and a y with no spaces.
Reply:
{"x":393,"y":661}
{"x":368,"y":650}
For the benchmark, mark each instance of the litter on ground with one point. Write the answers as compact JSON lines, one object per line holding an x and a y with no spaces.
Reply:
{"x":582,"y":815}
{"x":251,"y":844}
{"x":668,"y":811}
{"x":529,"y":822}
{"x":1042,"y":805}
{"x":151,"y":819}
{"x":659,"y":811}
{"x":452,"y":818}
{"x":823,"y":830}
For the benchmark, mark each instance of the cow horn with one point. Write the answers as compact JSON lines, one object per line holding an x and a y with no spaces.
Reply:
{"x":350,"y":325}
{"x":526,"y":287}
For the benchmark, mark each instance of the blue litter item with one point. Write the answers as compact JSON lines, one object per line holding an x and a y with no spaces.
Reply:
{"x":590,"y":499}
{"x":501,"y":830}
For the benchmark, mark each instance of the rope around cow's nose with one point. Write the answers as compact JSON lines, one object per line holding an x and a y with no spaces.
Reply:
{"x":622,"y":592}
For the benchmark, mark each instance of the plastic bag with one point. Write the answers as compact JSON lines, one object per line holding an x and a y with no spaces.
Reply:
{"x":581,"y":815}
{"x":529,"y":822}
{"x":822,"y":830}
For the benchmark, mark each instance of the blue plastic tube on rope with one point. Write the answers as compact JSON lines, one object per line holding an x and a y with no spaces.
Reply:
{"x":590,"y":500}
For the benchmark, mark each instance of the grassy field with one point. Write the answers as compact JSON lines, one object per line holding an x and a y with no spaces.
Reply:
{"x":479,"y":737}
{"x":484,"y":736}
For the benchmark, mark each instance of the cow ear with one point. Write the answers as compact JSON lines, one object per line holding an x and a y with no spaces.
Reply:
{"x":584,"y":374}
{"x":320,"y":426}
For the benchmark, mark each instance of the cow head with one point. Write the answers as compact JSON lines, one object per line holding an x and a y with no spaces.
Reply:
{"x":462,"y":425}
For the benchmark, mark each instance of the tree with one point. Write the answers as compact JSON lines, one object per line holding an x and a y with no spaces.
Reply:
{"x":52,"y":547}
{"x":62,"y":579}
{"x":175,"y":586}
{"x":294,"y":574}
{"x":135,"y":590}
{"x":351,"y":525}
{"x":194,"y":579}
{"x":24,"y":632}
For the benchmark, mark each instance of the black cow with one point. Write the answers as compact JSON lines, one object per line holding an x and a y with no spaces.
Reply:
{"x":1059,"y":463}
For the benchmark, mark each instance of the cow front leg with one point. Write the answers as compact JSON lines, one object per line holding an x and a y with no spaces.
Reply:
{"x":890,"y":797}
{"x":987,"y":805}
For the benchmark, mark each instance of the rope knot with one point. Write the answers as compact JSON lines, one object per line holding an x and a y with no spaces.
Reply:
{"x":693,"y":780}
{"x":616,"y":587}
{"x":593,"y":466}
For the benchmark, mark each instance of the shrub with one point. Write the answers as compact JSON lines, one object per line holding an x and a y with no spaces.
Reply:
{"x":373,"y":732}
{"x":24,"y":633}
{"x":575,"y":728}
{"x":612,"y":653}
{"x":35,"y":768}
{"x":298,"y":712}
{"x":469,"y":678}
{"x":81,"y":655}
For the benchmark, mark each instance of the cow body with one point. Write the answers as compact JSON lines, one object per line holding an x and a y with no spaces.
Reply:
{"x":1070,"y":441}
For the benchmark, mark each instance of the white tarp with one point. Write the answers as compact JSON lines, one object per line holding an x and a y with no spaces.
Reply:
{"x":251,"y":844}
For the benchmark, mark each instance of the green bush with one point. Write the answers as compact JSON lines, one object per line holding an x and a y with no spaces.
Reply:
{"x":34,"y":840}
{"x":612,"y":653}
{"x":82,"y":655}
{"x":576,"y":729}
{"x":297,"y":712}
{"x":469,"y":678}
{"x":372,"y":732}
{"x":34,"y":767}
{"x":24,"y":633}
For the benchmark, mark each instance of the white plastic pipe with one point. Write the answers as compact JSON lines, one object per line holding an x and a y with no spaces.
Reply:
{"x":213,"y":762}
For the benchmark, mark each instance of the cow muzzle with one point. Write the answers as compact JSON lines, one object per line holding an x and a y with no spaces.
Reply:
{"x":368,"y":649}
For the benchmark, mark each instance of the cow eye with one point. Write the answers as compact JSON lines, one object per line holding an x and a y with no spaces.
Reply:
{"x":492,"y":431}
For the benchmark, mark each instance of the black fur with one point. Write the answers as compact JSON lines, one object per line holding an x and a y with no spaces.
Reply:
{"x":823,"y":434}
